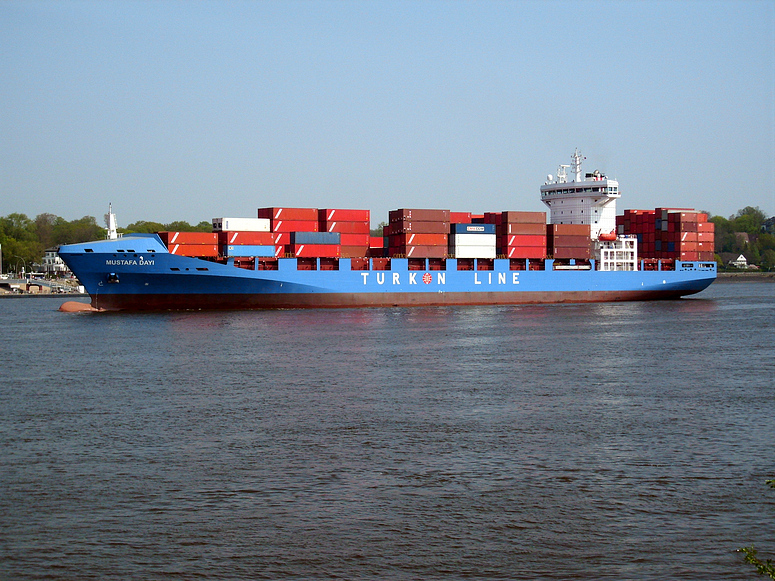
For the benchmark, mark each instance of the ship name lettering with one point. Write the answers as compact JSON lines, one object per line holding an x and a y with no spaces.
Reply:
{"x":413,"y":278}
{"x":396,"y":278}
{"x":380,"y":278}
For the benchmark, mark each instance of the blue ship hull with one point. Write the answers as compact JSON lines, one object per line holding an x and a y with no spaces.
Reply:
{"x":138,"y":273}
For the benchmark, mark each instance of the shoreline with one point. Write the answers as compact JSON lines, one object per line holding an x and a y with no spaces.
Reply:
{"x":745,"y":277}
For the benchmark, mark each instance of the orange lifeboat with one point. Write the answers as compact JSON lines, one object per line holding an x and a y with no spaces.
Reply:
{"x":609,"y":237}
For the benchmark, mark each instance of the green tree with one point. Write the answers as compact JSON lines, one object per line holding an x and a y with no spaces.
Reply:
{"x":762,"y":567}
{"x":144,"y":227}
{"x":768,"y":259}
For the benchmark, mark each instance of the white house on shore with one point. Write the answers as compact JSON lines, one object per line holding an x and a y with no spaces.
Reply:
{"x":739,"y":262}
{"x":52,"y":264}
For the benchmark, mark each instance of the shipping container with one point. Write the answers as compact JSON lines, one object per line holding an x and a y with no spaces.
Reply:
{"x":377,"y":241}
{"x":189,"y":238}
{"x":562,"y":240}
{"x":706,"y":227}
{"x":471,"y":251}
{"x":196,"y":250}
{"x":414,"y":239}
{"x":460,"y":217}
{"x":344,"y":215}
{"x":531,"y":252}
{"x":523,"y":240}
{"x":523,"y":218}
{"x":472,"y":229}
{"x":578,"y":253}
{"x":243,"y":237}
{"x":568,"y":229}
{"x":248,"y":250}
{"x":294,"y":226}
{"x":244,"y":224}
{"x":295,"y":214}
{"x":472,"y":240}
{"x":527,"y":228}
{"x":314,"y":250}
{"x":315,"y":238}
{"x":355,"y":239}
{"x":419,"y":251}
{"x":354,"y":251}
{"x":418,"y":215}
{"x":346,"y":227}
{"x":419,"y":227}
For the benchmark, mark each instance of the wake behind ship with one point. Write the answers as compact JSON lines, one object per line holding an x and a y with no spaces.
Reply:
{"x":313,"y":258}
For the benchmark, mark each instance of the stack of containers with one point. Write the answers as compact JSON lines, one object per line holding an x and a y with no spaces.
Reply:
{"x":670,"y":233}
{"x":284,"y":221}
{"x":195,"y":244}
{"x":417,"y":233}
{"x":472,"y":241}
{"x":569,"y":241}
{"x":315,"y":245}
{"x":244,"y":237}
{"x":519,"y":234}
{"x":641,"y":224}
{"x":353,"y":227}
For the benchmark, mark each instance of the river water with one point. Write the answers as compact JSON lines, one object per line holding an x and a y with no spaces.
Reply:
{"x":621,"y":441}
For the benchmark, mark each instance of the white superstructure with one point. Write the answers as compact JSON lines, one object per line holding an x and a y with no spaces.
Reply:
{"x":589,"y":201}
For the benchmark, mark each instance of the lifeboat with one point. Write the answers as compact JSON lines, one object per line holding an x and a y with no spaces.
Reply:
{"x":607,"y":237}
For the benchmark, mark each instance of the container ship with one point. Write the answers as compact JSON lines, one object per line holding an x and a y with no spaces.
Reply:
{"x":327,"y":258}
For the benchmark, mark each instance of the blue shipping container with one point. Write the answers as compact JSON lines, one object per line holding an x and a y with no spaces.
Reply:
{"x":315,"y":237}
{"x":237,"y":250}
{"x":473,"y":228}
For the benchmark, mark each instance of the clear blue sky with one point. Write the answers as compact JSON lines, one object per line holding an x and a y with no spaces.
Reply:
{"x":191,"y":110}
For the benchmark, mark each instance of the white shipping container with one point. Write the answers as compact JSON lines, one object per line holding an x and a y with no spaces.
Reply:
{"x":469,"y":251}
{"x":241,"y":224}
{"x":472,"y":240}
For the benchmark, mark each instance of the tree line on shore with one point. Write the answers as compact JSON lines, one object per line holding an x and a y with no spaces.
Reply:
{"x":24,"y":240}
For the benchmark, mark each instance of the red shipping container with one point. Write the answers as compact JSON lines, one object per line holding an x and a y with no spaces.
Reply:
{"x":419,"y":227}
{"x":705,"y":237}
{"x":346,"y":227}
{"x":527,"y":228}
{"x":414,"y":239}
{"x":533,"y":252}
{"x":353,"y":251}
{"x":304,"y":214}
{"x":493,"y":217}
{"x":294,"y":226}
{"x":281,"y":237}
{"x":460,"y":217}
{"x":686,"y":226}
{"x":689,"y":255}
{"x":189,"y":237}
{"x":523,"y":241}
{"x":420,"y":251}
{"x":564,"y":241}
{"x":706,"y":227}
{"x":580,"y":253}
{"x":569,"y":229}
{"x":523,"y":218}
{"x":688,"y":236}
{"x":338,"y":215}
{"x":315,"y":250}
{"x":242,"y":238}
{"x":377,"y":241}
{"x":418,"y":215}
{"x":208,"y":250}
{"x":355,"y":239}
